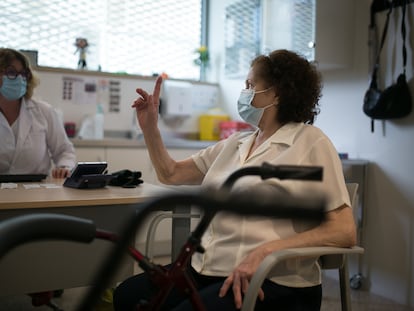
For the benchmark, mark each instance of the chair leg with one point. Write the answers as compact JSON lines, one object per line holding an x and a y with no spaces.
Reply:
{"x":345,"y":286}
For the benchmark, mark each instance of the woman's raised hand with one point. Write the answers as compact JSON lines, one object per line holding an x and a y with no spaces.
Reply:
{"x":147,"y":106}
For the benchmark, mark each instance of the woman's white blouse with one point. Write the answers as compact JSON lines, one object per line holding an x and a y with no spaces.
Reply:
{"x":230,"y":238}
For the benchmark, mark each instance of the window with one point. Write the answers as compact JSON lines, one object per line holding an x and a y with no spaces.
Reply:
{"x":242,"y":36}
{"x":137,"y":37}
{"x":290,"y":24}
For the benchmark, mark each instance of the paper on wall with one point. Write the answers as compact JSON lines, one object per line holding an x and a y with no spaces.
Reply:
{"x":177,"y":98}
{"x":79,"y":91}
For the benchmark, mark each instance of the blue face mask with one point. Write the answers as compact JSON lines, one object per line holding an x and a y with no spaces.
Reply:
{"x":247,"y":112}
{"x":13,"y":89}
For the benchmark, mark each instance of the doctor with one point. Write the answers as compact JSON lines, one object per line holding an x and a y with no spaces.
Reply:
{"x":32,"y":134}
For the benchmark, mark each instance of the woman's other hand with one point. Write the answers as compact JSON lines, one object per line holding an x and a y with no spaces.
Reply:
{"x":60,"y":172}
{"x":239,"y":279}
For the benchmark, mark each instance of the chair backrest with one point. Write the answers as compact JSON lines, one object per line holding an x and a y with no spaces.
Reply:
{"x":353,"y":194}
{"x":336,"y":261}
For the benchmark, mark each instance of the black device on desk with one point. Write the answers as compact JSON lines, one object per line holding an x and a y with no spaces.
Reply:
{"x":88,"y":175}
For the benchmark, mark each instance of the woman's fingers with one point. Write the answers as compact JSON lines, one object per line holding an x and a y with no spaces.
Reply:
{"x":237,"y":291}
{"x":138,"y":102}
{"x":261,"y":294}
{"x":156,"y":92}
{"x":157,"y":87}
{"x":226,"y":285}
{"x":142,"y":92}
{"x":239,"y":286}
{"x":145,"y":98}
{"x":60,"y":172}
{"x":244,"y":285}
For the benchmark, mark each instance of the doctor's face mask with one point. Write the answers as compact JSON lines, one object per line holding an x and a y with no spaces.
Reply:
{"x":247,"y":111}
{"x":13,"y":89}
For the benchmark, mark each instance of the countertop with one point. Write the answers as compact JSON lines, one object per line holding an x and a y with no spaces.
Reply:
{"x":174,"y":143}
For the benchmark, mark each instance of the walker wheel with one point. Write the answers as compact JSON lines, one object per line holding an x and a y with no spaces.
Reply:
{"x":356,"y":281}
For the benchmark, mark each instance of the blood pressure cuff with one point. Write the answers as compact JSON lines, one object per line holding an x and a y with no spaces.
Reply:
{"x":126,"y":179}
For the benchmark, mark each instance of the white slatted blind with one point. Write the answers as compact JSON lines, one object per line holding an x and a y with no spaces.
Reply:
{"x":139,"y":37}
{"x":242,"y":36}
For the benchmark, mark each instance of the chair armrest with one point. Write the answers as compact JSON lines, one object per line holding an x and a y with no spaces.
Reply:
{"x":268,"y":264}
{"x":152,"y":228}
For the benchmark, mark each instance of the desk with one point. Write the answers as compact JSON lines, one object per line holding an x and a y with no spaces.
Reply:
{"x":41,"y":266}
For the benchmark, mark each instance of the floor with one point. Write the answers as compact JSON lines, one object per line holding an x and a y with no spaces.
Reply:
{"x":361,"y":301}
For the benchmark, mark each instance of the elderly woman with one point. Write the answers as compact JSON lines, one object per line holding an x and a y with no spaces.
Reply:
{"x":32,"y":134}
{"x":280,"y":98}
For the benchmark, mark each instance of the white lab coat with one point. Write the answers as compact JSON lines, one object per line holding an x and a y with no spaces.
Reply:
{"x":41,"y":140}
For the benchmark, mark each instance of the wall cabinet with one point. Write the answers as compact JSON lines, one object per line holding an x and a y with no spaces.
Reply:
{"x":321,"y":30}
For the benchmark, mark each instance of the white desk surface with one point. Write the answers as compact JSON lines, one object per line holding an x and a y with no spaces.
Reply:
{"x":49,"y":265}
{"x":63,"y":197}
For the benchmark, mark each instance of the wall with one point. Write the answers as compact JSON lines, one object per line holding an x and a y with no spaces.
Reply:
{"x":82,"y":104}
{"x":120,"y":117}
{"x":388,"y":231}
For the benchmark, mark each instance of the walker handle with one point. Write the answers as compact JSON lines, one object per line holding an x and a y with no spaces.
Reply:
{"x":32,"y":227}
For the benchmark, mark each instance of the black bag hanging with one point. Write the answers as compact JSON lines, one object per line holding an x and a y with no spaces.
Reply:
{"x":395,"y":101}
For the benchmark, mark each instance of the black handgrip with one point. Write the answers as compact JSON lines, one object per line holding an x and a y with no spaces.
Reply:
{"x":274,"y":205}
{"x":300,"y":172}
{"x":267,"y":170}
{"x":32,"y":227}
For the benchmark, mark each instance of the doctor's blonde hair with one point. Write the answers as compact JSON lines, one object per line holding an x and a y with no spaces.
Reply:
{"x":7,"y":56}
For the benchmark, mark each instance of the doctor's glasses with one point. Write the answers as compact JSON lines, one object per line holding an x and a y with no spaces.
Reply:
{"x":12,"y":73}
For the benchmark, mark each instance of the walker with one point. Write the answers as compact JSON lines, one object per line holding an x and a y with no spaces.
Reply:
{"x":32,"y":227}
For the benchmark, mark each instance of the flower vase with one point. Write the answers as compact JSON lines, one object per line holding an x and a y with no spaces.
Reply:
{"x":203,"y":72}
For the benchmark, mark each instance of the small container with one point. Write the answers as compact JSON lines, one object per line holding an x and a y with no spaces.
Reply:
{"x":209,"y":126}
{"x":227,"y":128}
{"x":70,"y":129}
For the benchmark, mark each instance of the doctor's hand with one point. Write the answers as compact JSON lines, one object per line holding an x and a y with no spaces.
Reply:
{"x":239,"y":279}
{"x":60,"y":172}
{"x":147,"y":106}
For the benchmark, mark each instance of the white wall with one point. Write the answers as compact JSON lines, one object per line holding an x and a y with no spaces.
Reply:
{"x":201,"y":98}
{"x":81,"y":105}
{"x":388,"y":232}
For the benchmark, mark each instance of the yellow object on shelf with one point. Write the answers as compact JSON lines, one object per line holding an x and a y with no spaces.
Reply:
{"x":208,"y":125}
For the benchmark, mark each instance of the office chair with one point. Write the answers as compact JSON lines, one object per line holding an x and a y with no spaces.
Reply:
{"x":329,"y":258}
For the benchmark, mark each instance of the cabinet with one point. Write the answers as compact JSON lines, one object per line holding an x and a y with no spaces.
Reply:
{"x":134,"y":159}
{"x":321,"y":30}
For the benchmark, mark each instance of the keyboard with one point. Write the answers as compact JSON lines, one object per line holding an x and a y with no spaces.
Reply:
{"x":22,"y":177}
